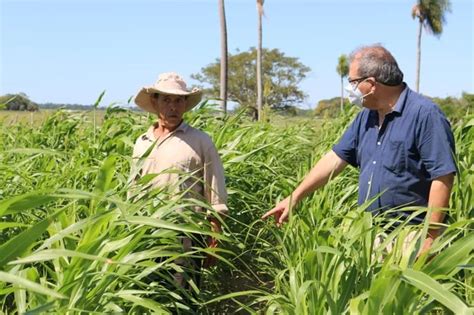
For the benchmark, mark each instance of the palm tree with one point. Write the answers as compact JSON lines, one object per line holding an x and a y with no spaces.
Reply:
{"x":224,"y":71}
{"x":343,"y":70}
{"x":431,"y":16}
{"x":259,"y":60}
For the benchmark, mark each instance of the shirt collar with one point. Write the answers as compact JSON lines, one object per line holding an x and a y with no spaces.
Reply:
{"x":400,"y":104}
{"x":150,"y":135}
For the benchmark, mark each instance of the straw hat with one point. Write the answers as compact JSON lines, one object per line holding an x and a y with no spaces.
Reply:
{"x":168,"y":83}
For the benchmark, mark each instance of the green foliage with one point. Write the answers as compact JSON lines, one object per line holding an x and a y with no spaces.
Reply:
{"x":431,"y":13}
{"x":330,"y":108}
{"x":77,"y":244}
{"x":342,"y":66}
{"x":71,"y":241}
{"x":456,"y":108}
{"x":17,"y":102}
{"x":281,"y":76}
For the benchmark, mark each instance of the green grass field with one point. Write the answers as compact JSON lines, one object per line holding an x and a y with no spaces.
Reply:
{"x":71,"y":242}
{"x":38,"y":118}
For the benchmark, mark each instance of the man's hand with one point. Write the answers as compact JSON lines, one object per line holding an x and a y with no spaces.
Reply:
{"x":280,"y":212}
{"x":430,"y":238}
{"x":329,"y":166}
{"x":212,"y":243}
{"x":438,"y":199}
{"x":426,"y":246}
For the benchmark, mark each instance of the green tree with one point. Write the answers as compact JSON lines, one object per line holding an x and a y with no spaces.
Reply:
{"x":328,"y":108}
{"x":224,"y":71}
{"x":281,"y":76}
{"x":456,"y":108}
{"x":343,"y":70}
{"x":431,"y":16}
{"x":259,"y":59}
{"x":18,"y":101}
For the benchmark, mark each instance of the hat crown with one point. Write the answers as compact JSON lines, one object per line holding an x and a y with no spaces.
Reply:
{"x":171,"y":80}
{"x":169,"y":83}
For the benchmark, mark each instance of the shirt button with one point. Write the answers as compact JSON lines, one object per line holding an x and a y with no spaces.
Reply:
{"x":379,"y":143}
{"x":369,"y":182}
{"x":374,"y":162}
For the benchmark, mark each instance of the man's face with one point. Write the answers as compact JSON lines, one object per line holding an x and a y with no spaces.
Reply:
{"x":170,"y":109}
{"x":354,"y":78}
{"x":364,"y":84}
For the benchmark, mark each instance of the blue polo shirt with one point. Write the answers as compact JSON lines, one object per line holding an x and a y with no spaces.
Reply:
{"x":398,"y":161}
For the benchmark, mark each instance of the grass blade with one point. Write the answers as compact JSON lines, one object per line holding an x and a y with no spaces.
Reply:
{"x":17,"y":245}
{"x":430,"y":286}
{"x":29,"y":285}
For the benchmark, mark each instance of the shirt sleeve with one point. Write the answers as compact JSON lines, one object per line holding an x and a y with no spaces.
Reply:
{"x":346,"y":148}
{"x":435,"y":143}
{"x":214,"y":180}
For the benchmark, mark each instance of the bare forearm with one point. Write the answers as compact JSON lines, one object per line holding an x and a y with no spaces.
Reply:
{"x":329,"y":166}
{"x":438,"y":199}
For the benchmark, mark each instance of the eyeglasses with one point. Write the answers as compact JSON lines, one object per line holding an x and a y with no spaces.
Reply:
{"x":357,"y":81}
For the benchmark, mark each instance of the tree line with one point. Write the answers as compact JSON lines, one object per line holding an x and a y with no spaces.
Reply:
{"x":18,"y":101}
{"x":21,"y":102}
{"x":455,"y":108}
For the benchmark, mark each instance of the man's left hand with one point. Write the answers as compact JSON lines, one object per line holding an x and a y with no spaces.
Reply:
{"x":430,"y":237}
{"x":212,"y":243}
{"x":426,"y":245}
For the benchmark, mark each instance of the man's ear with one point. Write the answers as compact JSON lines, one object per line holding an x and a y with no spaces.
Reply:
{"x":153,"y":98}
{"x":373,"y":82}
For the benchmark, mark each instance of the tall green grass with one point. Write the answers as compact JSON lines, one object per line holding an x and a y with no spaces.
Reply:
{"x":71,"y":242}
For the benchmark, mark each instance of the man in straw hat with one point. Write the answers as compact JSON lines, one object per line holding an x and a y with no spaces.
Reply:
{"x":171,"y":148}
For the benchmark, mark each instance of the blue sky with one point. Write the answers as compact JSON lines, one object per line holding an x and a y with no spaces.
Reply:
{"x":68,"y":51}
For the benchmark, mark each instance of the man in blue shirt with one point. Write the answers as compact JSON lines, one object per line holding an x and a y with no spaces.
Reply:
{"x":401,"y":142}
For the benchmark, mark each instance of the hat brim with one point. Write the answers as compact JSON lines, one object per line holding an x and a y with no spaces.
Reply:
{"x":143,"y":98}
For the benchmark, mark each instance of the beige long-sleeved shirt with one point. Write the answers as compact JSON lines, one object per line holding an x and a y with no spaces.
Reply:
{"x":185,"y":160}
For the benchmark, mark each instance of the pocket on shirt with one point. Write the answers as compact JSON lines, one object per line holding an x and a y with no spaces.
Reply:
{"x":394,"y":159}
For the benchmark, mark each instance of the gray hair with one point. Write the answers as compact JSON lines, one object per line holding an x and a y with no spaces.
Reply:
{"x":376,"y":61}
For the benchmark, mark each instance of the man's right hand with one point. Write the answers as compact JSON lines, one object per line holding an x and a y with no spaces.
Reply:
{"x":280,"y":212}
{"x":329,"y":166}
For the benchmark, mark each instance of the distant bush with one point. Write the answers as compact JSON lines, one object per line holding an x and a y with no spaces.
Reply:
{"x":330,"y":108}
{"x":454,"y":108}
{"x":17,"y":102}
{"x":68,"y":106}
